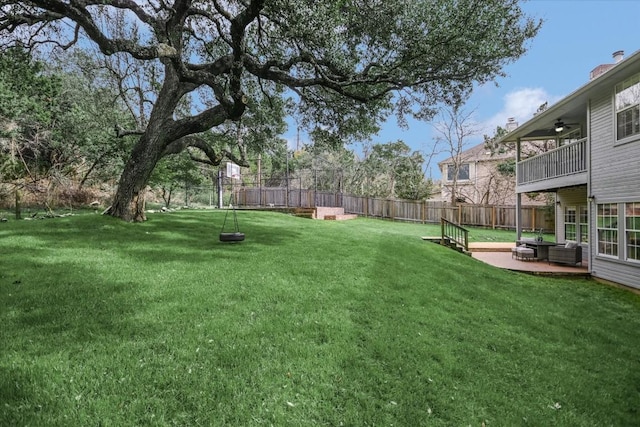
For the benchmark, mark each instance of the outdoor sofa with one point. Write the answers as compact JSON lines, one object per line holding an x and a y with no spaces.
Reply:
{"x":569,"y":253}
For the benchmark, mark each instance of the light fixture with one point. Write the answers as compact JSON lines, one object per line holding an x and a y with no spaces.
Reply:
{"x":559,"y":126}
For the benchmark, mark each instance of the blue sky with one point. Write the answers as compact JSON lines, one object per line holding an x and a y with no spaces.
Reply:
{"x":576,"y":36}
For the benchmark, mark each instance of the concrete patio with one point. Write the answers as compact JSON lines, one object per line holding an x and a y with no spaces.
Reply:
{"x":498,"y":254}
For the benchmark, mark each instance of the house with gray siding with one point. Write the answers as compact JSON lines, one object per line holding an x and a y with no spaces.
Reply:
{"x":594,"y":171}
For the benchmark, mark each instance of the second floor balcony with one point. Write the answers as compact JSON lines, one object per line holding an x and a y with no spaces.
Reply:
{"x":561,"y":167}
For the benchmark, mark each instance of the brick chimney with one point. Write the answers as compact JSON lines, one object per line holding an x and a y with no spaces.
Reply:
{"x":618,"y":56}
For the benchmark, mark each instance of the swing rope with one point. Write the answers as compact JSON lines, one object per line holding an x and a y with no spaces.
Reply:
{"x":236,"y":235}
{"x":235,"y":218}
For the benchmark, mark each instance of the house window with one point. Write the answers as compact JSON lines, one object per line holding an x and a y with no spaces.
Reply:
{"x":632,"y":230}
{"x":608,"y":229}
{"x":570,"y":223}
{"x":463,"y":172}
{"x":584,"y":224}
{"x":571,"y":136}
{"x":628,"y":107}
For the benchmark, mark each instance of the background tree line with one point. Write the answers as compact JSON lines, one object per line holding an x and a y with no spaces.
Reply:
{"x":214,"y":80}
{"x":56,"y":130}
{"x":57,"y":137}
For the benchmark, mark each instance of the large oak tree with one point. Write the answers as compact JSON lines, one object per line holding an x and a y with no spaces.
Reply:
{"x":350,"y":63}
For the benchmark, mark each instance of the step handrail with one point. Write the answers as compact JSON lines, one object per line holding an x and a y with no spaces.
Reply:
{"x":454,"y":233}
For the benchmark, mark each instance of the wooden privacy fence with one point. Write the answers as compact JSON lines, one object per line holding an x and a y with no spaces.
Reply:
{"x":283,"y":197}
{"x":533,"y":217}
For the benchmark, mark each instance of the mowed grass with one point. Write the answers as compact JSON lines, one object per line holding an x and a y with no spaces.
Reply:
{"x":304,"y":323}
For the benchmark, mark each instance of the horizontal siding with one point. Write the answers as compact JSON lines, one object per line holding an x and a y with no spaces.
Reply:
{"x":553,"y":183}
{"x":624,"y":274}
{"x":615,"y":177}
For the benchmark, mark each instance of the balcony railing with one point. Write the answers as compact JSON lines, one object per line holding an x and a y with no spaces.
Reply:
{"x":562,"y":161}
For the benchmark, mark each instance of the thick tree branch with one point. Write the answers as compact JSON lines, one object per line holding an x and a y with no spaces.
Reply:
{"x":213,"y":157}
{"x":202,"y":122}
{"x":56,"y":10}
{"x":121,"y":132}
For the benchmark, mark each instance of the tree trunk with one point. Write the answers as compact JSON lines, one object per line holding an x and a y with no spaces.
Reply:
{"x":18,"y":216}
{"x":166,"y":196}
{"x":161,"y":130}
{"x":129,"y":201}
{"x":454,"y":193}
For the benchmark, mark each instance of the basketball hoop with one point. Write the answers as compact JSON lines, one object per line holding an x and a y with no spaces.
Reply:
{"x":233,"y":170}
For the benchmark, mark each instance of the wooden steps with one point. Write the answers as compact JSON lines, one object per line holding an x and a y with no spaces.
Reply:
{"x":332,"y":214}
{"x":304,"y":212}
{"x":448,"y":243}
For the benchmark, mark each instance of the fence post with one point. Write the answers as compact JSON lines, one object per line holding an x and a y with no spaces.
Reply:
{"x":315,"y":188}
{"x":493,"y":217}
{"x":533,"y":218}
{"x":286,"y":194}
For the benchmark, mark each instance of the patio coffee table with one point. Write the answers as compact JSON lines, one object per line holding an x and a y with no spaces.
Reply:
{"x":541,"y":248}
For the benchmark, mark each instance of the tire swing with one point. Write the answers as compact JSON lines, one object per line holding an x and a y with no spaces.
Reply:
{"x":236,"y":235}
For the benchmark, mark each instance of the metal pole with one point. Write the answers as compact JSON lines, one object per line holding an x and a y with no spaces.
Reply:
{"x":286,"y":199}
{"x":260,"y":179}
{"x":212,"y":193}
{"x":518,"y":195}
{"x":220,"y":195}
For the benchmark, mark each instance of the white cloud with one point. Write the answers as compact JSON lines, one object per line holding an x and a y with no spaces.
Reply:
{"x":520,"y":104}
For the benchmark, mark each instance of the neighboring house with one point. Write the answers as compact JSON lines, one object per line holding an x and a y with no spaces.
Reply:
{"x":595,"y":171}
{"x":479,"y":180}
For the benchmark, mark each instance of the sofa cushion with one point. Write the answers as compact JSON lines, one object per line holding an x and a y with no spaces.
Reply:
{"x":571,"y":244}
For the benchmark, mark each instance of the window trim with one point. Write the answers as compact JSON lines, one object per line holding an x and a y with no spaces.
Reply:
{"x":467,"y":164}
{"x":631,"y":81}
{"x":566,"y":215}
{"x":583,"y":227}
{"x":627,"y":139}
{"x":626,"y":231}
{"x":616,"y":240}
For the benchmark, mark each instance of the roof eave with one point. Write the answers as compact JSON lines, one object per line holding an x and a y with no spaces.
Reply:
{"x":539,"y":126}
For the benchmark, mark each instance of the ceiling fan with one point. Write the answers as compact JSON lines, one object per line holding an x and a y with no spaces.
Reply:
{"x":560,"y":126}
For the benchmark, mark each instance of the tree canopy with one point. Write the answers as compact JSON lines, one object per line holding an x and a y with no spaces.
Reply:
{"x":203,"y":64}
{"x":54,"y":129}
{"x":27,"y":109}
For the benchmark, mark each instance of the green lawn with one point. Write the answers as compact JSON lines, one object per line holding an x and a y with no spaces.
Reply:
{"x":304,"y":323}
